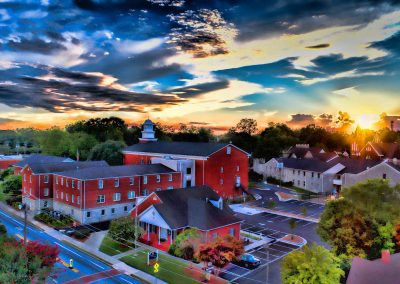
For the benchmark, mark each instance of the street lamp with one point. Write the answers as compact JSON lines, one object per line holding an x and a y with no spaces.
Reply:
{"x":24,"y":207}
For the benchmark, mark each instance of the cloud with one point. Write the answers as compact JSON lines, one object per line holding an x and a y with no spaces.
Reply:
{"x":301,"y":120}
{"x":4,"y":120}
{"x":4,"y":16}
{"x":63,"y":91}
{"x":136,"y":46}
{"x":36,"y":45}
{"x":347,"y":74}
{"x":33,"y":14}
{"x":346,"y":92}
{"x":193,"y":91}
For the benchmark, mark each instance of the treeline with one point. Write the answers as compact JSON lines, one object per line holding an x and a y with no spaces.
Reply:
{"x":103,"y":138}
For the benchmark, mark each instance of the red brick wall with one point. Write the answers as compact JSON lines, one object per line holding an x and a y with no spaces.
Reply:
{"x":4,"y":164}
{"x":30,"y":185}
{"x":150,"y":200}
{"x":224,"y":231}
{"x":90,"y":189}
{"x":133,"y":159}
{"x":213,"y":174}
{"x":58,"y":188}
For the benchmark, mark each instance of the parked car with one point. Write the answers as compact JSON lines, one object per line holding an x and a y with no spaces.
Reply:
{"x":248,"y":261}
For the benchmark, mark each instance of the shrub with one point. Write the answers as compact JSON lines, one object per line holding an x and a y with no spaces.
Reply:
{"x":3,"y":230}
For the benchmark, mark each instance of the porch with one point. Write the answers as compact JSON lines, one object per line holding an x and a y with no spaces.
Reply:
{"x":158,"y":237}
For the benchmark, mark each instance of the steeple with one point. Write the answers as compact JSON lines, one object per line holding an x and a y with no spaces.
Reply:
{"x":148,"y":133}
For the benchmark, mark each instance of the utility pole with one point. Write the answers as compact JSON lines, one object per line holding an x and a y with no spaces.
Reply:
{"x":23,"y":206}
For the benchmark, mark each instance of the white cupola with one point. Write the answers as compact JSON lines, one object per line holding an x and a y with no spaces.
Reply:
{"x":148,"y":133}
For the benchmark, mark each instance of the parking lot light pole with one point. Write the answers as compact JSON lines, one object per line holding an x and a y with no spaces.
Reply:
{"x":23,"y":206}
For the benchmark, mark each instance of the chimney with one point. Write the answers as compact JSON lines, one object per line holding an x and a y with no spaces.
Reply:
{"x":385,"y":256}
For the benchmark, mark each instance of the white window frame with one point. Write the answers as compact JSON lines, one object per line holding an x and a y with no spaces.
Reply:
{"x":158,"y":178}
{"x":222,"y":170}
{"x":78,"y":200}
{"x":170,"y":177}
{"x":113,"y":209}
{"x":115,"y":195}
{"x":46,"y":191}
{"x":66,"y":196}
{"x":100,"y":184}
{"x":130,"y":194}
{"x":79,"y":184}
{"x":62,"y":195}
{"x":116,"y":182}
{"x":62,"y":181}
{"x":131,"y":181}
{"x":228,"y":150}
{"x":73,"y":183}
{"x":101,"y":198}
{"x":144,"y":179}
{"x":72,"y":198}
{"x":45,"y":179}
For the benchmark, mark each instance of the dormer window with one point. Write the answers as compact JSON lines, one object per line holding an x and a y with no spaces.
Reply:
{"x":228,"y":150}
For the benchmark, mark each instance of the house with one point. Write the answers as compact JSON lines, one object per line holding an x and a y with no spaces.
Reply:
{"x":97,"y":194}
{"x":322,"y":176}
{"x":37,"y":180}
{"x":7,"y":161}
{"x":222,"y":166}
{"x":40,"y":159}
{"x":302,"y":151}
{"x":382,"y":271}
{"x":381,"y":151}
{"x":391,"y":121}
{"x":165,"y":214}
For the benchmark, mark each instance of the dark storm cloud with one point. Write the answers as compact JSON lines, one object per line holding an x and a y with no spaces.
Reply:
{"x":81,"y":91}
{"x":318,"y":46}
{"x":36,"y":45}
{"x":257,"y":18}
{"x":4,"y":120}
{"x":55,"y":36}
{"x":391,"y":44}
{"x":301,"y":120}
{"x":197,"y":90}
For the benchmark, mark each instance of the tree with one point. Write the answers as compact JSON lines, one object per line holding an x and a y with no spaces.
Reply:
{"x":221,"y":251}
{"x":109,"y":151}
{"x":55,"y":141}
{"x":186,"y":244}
{"x":3,"y":230}
{"x":292,"y":225}
{"x":362,"y":222}
{"x":12,"y":184}
{"x":83,"y":143}
{"x":311,"y":265}
{"x":5,"y":173}
{"x":246,"y":125}
{"x":124,"y":230}
{"x":344,"y":120}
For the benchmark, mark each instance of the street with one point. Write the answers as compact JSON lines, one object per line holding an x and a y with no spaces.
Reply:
{"x":86,"y":269}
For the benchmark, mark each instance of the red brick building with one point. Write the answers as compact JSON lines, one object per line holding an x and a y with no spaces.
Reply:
{"x":8,"y":161}
{"x":37,"y":181}
{"x":104,"y":193}
{"x":165,"y":214}
{"x":39,"y":159}
{"x":223,"y":167}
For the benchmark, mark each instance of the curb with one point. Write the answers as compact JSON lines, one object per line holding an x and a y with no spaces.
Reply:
{"x":285,"y":214}
{"x":303,"y":243}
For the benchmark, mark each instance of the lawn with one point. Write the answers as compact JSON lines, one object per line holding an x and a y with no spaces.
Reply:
{"x":111,"y":247}
{"x":171,"y":270}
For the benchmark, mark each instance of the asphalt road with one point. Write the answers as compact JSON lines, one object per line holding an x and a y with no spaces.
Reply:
{"x":87,"y":269}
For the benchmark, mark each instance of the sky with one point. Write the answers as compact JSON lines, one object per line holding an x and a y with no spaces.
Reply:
{"x":205,"y":63}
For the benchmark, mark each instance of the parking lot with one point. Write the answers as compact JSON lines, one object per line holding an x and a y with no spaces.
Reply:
{"x":268,"y":254}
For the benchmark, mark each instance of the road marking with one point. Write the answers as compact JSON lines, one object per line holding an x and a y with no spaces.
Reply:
{"x":261,"y":224}
{"x":80,"y":255}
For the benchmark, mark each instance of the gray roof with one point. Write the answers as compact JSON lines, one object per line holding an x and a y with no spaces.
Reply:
{"x":353,"y":165}
{"x":191,"y":207}
{"x":39,"y":158}
{"x":201,"y":149}
{"x":117,"y":171}
{"x":42,"y":168}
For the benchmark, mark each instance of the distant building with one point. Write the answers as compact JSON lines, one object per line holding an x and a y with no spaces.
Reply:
{"x":224,"y":167}
{"x":7,"y":161}
{"x":165,"y":214}
{"x":391,"y":121}
{"x":40,"y":159}
{"x":381,"y":151}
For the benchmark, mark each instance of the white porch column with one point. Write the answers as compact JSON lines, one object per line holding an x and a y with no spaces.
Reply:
{"x":159,"y":234}
{"x":170,"y":238}
{"x":148,"y":231}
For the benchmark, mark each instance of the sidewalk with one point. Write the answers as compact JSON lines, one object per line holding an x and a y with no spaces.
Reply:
{"x":115,"y":263}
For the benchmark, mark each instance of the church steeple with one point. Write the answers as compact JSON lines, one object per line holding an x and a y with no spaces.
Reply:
{"x":148,"y":133}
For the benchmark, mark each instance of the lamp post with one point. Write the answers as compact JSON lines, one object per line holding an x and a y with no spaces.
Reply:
{"x":23,"y":206}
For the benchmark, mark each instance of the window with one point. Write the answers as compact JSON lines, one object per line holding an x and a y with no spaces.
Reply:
{"x":62,"y":181}
{"x":293,"y":171}
{"x":384,"y":176}
{"x":30,"y":179}
{"x":112,"y":210}
{"x":222,"y":170}
{"x":298,"y":182}
{"x":103,"y":212}
{"x":46,"y":179}
{"x":228,"y":150}
{"x":158,"y":178}
{"x":158,"y":189}
{"x":56,"y":180}
{"x":101,"y":198}
{"x":188,"y":171}
{"x":62,"y":195}
{"x":30,"y":191}
{"x":73,"y":198}
{"x":141,"y":161}
{"x":304,"y":183}
{"x":232,"y":232}
{"x":24,"y":177}
{"x":116,"y":182}
{"x":101,"y":184}
{"x":88,"y":214}
{"x":170,"y":187}
{"x":214,"y":236}
{"x":237,"y":168}
{"x":125,"y":208}
{"x":145,"y":180}
{"x":45,"y":204}
{"x":131,"y":194}
{"x":79,"y":184}
{"x":117,"y":196}
{"x":131,"y":181}
{"x":57,"y":194}
{"x":66,"y":197}
{"x":145,"y":192}
{"x":78,"y":200}
{"x":319,"y":175}
{"x":221,"y":181}
{"x":46,"y":192}
{"x":298,"y":172}
{"x":72,"y":183}
{"x":170,"y":177}
{"x":312,"y":174}
{"x":66,"y":183}
{"x":304,"y":173}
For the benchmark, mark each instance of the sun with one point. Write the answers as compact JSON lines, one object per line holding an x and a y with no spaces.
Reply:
{"x":367,"y":121}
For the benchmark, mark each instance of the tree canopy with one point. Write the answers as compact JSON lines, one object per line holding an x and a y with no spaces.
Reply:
{"x":109,"y":151}
{"x":311,"y":265}
{"x":124,"y":231}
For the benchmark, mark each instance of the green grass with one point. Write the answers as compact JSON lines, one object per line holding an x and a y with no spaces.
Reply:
{"x":250,"y":236}
{"x":171,"y":270}
{"x":111,"y":247}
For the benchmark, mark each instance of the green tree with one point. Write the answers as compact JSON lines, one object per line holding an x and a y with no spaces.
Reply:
{"x":55,"y":141}
{"x":82,"y":142}
{"x":186,"y":244}
{"x":12,"y":184}
{"x":109,"y":151}
{"x":292,"y":225}
{"x":123,"y":230}
{"x":311,"y":265}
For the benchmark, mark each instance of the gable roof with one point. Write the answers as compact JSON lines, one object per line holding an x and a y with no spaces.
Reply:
{"x":199,"y":149}
{"x":191,"y":207}
{"x":116,"y":171}
{"x":39,"y":158}
{"x":42,"y":168}
{"x":376,"y":271}
{"x":387,"y":150}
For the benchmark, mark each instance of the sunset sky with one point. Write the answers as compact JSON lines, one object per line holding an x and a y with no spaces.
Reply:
{"x":201,"y":62}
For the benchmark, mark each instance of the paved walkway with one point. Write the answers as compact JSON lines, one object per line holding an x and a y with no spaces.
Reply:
{"x":116,"y":264}
{"x":95,"y":239}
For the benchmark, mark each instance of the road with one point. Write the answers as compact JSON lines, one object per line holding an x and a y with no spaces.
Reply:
{"x":87,"y":269}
